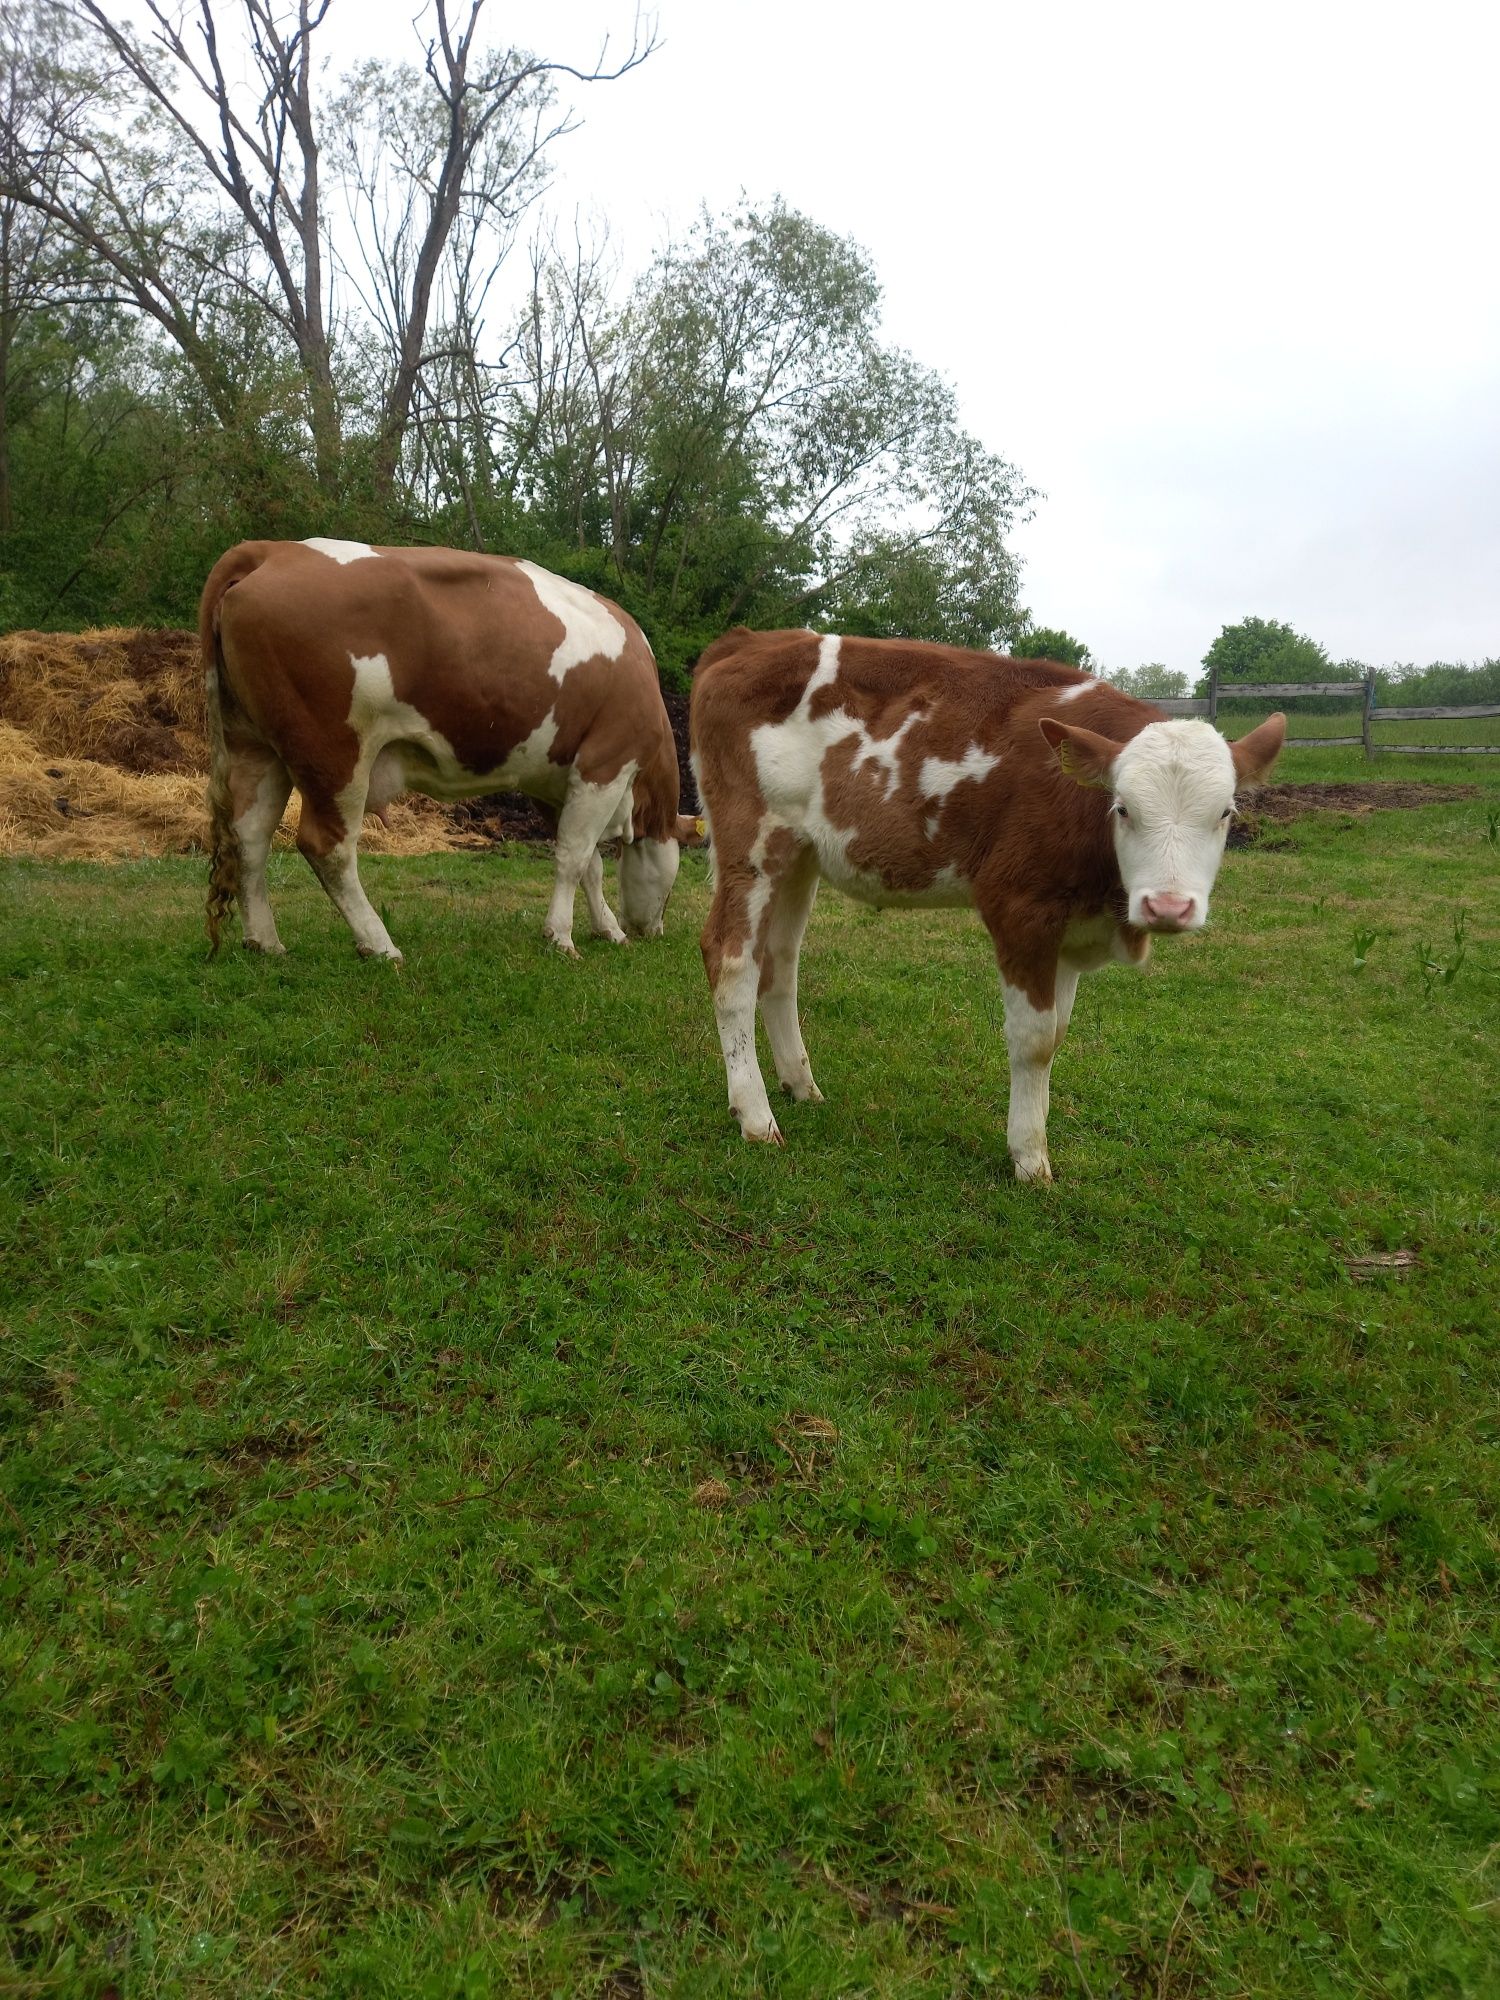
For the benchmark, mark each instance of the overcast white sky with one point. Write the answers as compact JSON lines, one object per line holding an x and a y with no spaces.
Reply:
{"x":1220,"y":278}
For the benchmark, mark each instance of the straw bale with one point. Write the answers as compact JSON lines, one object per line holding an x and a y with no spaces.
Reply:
{"x":103,"y":754}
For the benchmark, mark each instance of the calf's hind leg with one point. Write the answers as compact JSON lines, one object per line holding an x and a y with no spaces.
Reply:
{"x":791,"y":906}
{"x":734,"y":948}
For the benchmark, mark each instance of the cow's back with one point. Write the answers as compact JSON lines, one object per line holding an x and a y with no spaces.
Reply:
{"x":478,"y":654}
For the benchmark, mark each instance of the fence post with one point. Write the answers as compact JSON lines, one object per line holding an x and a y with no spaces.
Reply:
{"x":1213,"y":696}
{"x":1369,"y":714}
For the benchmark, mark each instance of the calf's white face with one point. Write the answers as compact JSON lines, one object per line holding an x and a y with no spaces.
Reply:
{"x":1172,"y":797}
{"x":648,"y":868}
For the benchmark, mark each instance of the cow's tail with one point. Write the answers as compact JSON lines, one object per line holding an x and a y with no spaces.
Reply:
{"x":223,"y":841}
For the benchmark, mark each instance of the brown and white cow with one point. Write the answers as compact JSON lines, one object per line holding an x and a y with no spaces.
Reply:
{"x":1076,"y":820}
{"x":357,"y":673}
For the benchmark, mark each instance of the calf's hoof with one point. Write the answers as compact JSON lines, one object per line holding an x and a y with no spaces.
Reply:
{"x":276,"y":949}
{"x":1036,"y":1167}
{"x":564,"y":946}
{"x":766,"y":1131}
{"x":804,"y":1093}
{"x":391,"y":957}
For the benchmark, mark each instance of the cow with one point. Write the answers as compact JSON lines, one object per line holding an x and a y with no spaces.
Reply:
{"x":357,"y":673}
{"x":1076,"y":820}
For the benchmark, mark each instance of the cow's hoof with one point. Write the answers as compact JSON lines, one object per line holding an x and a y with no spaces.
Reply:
{"x":391,"y":957}
{"x":1038,"y":1169}
{"x":804,"y":1093}
{"x":564,"y":947}
{"x":612,"y":937}
{"x":276,"y":949}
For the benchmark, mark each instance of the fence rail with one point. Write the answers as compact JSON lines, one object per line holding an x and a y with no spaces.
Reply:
{"x":1361,"y":691}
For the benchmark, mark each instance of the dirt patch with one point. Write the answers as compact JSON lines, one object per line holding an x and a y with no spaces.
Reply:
{"x":1263,"y":806}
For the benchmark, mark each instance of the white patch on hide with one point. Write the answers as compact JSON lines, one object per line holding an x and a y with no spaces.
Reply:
{"x":590,"y":629}
{"x":789,"y":758}
{"x":401,"y":751}
{"x":340,"y":552}
{"x":1072,"y":693}
{"x":940,"y":774}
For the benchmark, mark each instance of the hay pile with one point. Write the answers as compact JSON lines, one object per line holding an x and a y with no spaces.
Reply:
{"x":103,"y":754}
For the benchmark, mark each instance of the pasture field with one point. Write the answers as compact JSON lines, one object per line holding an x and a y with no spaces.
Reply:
{"x":471,"y":1526}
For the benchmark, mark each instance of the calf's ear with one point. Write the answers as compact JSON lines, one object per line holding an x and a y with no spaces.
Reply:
{"x":1257,"y":751}
{"x":690,"y":832}
{"x":1082,"y":753}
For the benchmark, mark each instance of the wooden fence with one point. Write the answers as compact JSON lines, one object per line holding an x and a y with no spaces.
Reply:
{"x":1369,"y":715}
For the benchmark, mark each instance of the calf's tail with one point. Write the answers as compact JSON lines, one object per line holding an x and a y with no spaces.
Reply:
{"x":223,"y":841}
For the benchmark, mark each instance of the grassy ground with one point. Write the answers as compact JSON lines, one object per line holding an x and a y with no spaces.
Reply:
{"x":471,"y":1526}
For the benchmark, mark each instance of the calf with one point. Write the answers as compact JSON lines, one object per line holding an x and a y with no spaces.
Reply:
{"x":1076,"y":820}
{"x":357,"y":673}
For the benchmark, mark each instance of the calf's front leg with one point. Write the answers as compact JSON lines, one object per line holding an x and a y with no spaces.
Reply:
{"x":1032,"y":1033}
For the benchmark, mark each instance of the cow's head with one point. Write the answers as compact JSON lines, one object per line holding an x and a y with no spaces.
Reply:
{"x":648,"y":868}
{"x":1173,"y":788}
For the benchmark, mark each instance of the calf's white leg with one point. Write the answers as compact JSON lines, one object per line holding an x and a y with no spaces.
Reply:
{"x":1031,"y":1036}
{"x":792,"y":906}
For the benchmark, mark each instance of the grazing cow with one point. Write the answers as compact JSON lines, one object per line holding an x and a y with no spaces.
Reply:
{"x":1076,"y":820}
{"x":357,"y":673}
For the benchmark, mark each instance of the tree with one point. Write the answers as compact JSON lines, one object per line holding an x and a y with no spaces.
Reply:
{"x":1047,"y":642}
{"x":1151,"y":682}
{"x":740,"y":440}
{"x":1263,"y":650}
{"x":196,"y":190}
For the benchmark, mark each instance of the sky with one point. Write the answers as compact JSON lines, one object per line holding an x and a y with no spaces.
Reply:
{"x":1219,"y":278}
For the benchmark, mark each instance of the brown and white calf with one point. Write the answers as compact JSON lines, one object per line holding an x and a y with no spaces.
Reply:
{"x":357,"y":673}
{"x":1076,"y":820}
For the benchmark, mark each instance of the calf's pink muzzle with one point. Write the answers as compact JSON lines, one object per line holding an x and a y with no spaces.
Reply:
{"x":1167,"y":913}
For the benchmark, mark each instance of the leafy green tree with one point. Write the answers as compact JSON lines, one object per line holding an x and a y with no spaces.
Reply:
{"x":1150,"y":682}
{"x":1048,"y":642}
{"x":1263,"y":650}
{"x":746,"y":447}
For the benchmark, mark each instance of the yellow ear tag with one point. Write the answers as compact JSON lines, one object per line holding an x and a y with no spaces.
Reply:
{"x":1073,"y":765}
{"x":700,"y":829}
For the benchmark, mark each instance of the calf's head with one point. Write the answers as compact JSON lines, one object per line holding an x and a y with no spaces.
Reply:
{"x":1172,"y":792}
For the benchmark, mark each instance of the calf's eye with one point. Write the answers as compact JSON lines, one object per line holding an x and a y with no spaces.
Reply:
{"x":1122,"y":812}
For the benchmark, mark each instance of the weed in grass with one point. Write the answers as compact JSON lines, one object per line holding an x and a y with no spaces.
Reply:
{"x":1492,"y":825}
{"x":1363,"y":940}
{"x":1435,"y":972}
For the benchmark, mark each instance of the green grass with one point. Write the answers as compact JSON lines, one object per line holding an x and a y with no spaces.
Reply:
{"x":1098,"y":1591}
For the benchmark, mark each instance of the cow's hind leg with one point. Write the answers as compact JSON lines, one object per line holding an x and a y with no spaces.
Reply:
{"x":259,"y":787}
{"x":586,"y":813}
{"x":791,"y":906}
{"x":602,"y":920}
{"x":328,"y":836}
